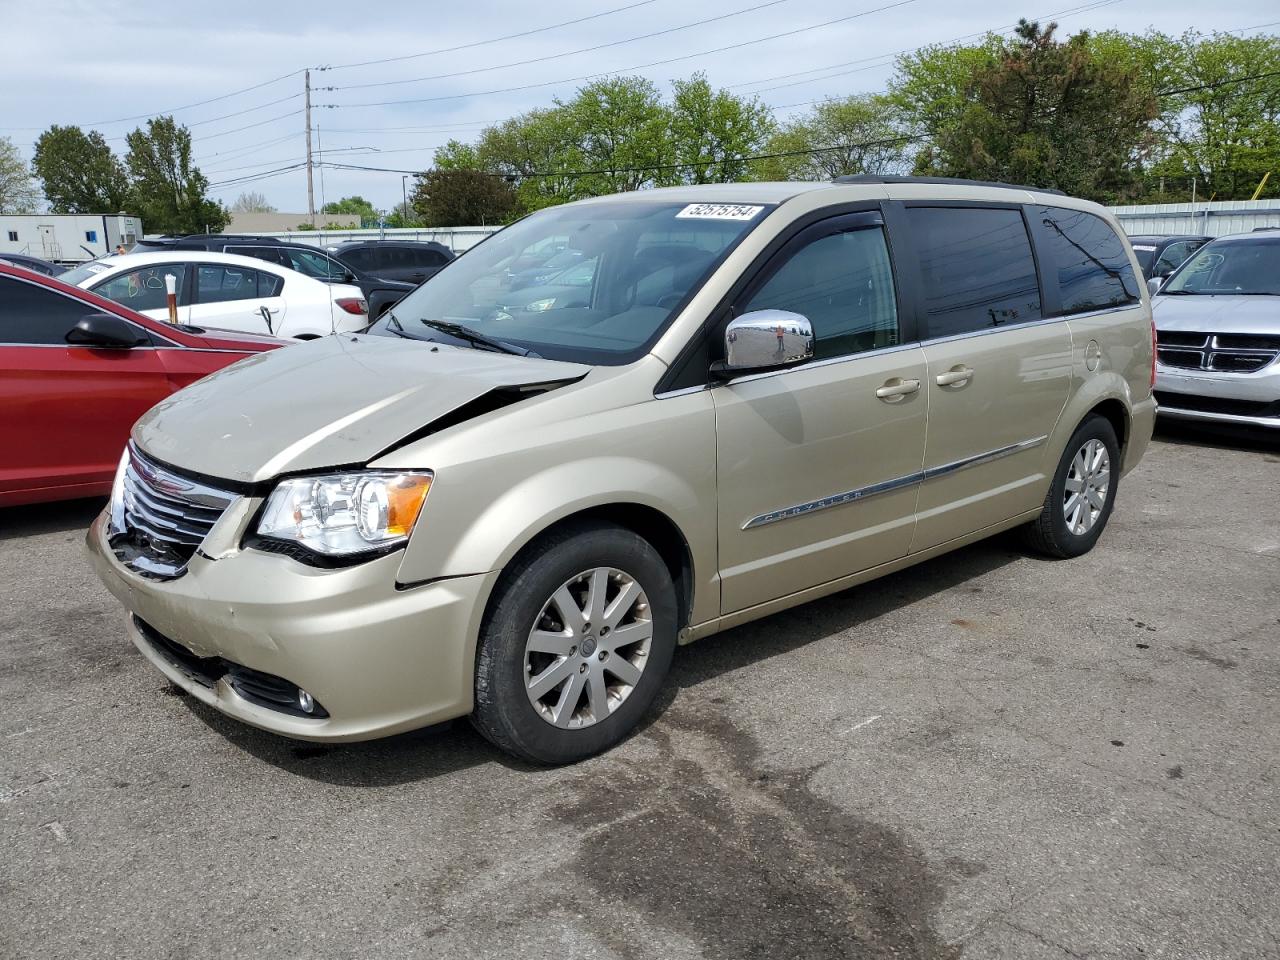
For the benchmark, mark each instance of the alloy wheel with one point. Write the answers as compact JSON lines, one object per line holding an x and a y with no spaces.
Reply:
{"x":1088,"y":480}
{"x":588,"y":648}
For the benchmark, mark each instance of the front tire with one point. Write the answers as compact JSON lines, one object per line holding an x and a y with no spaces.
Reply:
{"x":1082,"y":494}
{"x":576,"y":643}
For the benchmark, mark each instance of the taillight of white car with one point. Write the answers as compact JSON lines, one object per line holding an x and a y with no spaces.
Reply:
{"x":355,"y":305}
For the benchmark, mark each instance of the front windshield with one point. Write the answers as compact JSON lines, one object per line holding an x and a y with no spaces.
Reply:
{"x":621,"y":270}
{"x":1241,"y":267}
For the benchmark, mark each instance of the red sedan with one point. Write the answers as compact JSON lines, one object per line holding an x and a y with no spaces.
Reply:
{"x":76,"y":371}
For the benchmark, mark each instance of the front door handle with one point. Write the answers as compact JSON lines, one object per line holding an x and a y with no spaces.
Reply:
{"x":955,"y":376}
{"x":897,"y":387}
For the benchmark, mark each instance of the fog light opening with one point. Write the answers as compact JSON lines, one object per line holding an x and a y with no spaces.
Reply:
{"x":305,"y":703}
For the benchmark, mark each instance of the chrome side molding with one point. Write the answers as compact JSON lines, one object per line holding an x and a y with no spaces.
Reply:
{"x":897,"y":483}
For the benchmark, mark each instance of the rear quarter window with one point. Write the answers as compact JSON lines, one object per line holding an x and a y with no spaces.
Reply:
{"x":1087,"y":261}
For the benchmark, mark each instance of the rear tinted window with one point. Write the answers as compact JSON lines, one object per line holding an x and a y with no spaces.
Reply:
{"x":269,"y":254}
{"x":426,"y":257}
{"x":360,"y":258}
{"x":1087,"y":259}
{"x":977,"y":268}
{"x":219,"y":284}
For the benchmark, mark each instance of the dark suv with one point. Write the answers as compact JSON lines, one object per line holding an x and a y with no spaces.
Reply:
{"x":410,"y":261}
{"x":380,"y":292}
{"x":1159,"y":256}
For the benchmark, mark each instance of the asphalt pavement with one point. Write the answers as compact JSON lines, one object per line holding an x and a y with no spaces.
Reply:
{"x":989,"y":755}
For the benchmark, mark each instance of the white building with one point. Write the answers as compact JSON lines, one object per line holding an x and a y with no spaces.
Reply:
{"x":67,"y":237}
{"x":1207,"y":219}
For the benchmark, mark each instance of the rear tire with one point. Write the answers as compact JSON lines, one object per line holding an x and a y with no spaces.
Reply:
{"x":1082,"y":495}
{"x":576,"y":643}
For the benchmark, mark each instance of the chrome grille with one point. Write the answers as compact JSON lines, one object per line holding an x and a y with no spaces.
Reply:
{"x":1221,"y":352}
{"x":162,"y":517}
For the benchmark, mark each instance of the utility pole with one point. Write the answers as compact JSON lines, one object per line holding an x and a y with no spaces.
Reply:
{"x":311,"y":193}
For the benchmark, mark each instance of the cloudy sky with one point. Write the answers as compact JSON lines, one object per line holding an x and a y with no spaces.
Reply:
{"x":392,"y":80}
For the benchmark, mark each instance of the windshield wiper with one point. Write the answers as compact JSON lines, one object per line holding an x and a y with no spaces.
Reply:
{"x":476,"y":338}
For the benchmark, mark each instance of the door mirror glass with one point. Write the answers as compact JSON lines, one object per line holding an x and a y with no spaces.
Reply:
{"x":766,"y":340}
{"x":1154,"y":284}
{"x":105,"y":330}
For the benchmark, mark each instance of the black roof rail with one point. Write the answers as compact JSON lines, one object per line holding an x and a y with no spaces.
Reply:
{"x":951,"y":181}
{"x":1263,"y":229}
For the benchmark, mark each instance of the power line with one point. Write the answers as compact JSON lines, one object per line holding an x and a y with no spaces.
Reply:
{"x":1257,"y":26}
{"x":607,"y":73}
{"x":250,"y":126}
{"x":480,"y":43}
{"x":888,"y":141}
{"x":1218,"y":83}
{"x":189,"y":106}
{"x":1160,"y":93}
{"x":461,"y":125}
{"x":248,"y":178}
{"x":240,"y":113}
{"x":568,"y":53}
{"x":249,"y":148}
{"x":1088,"y":7}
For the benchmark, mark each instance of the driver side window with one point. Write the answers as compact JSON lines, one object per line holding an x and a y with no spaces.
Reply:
{"x":843,"y":283}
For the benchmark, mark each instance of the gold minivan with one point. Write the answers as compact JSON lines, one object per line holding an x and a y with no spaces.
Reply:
{"x":621,"y":425}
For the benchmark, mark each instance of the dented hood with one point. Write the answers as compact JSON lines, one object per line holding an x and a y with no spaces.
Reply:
{"x":336,"y":401}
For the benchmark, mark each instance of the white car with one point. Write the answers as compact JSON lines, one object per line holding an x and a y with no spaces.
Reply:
{"x":226,"y":291}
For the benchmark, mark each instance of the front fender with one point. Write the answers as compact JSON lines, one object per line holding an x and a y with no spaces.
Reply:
{"x":484,"y":508}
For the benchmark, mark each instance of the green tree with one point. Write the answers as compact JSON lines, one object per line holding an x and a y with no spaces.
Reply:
{"x":403,"y":215}
{"x":1031,"y":110}
{"x":79,"y":172}
{"x":710,"y":130}
{"x":1220,"y":117}
{"x":168,"y":191}
{"x":460,"y":198}
{"x":18,"y":193}
{"x":623,"y":133}
{"x":859,"y":134}
{"x":614,"y":135}
{"x":358,"y":205}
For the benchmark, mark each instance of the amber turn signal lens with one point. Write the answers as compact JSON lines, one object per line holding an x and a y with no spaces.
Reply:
{"x":405,"y":495}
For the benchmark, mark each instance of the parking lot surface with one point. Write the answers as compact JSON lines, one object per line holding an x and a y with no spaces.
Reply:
{"x":989,"y":755}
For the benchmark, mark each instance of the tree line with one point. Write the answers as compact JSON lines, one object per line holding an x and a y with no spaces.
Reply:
{"x":157,"y":180}
{"x":1110,"y":116}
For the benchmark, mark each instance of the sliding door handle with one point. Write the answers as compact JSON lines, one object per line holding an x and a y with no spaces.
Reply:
{"x":955,"y":376}
{"x":897,"y":387}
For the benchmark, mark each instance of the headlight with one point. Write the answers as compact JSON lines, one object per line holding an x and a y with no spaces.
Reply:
{"x":346,"y":513}
{"x":115,"y":505}
{"x":545,"y":304}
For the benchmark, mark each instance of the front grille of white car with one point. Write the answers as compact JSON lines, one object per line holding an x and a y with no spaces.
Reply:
{"x":1219,"y":352}
{"x":165,"y":518}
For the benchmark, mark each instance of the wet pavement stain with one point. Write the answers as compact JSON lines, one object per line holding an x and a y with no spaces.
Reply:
{"x":749,"y":863}
{"x":1196,"y":653}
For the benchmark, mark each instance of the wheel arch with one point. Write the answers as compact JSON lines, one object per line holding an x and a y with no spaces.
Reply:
{"x":646,"y":522}
{"x":1117,"y":414}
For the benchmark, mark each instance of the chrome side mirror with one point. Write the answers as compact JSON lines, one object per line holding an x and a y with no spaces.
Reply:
{"x":765,"y":340}
{"x":1154,"y":284}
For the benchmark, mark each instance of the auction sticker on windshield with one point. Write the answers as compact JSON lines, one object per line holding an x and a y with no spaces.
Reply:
{"x":719,"y":211}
